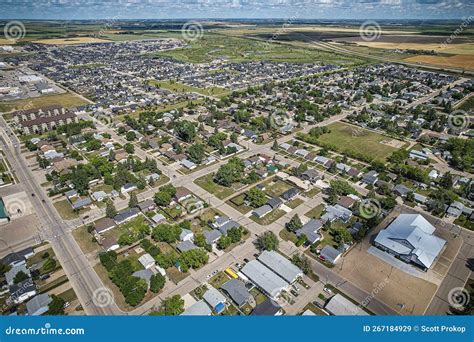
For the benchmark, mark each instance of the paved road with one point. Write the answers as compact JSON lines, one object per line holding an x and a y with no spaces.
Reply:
{"x":80,"y":273}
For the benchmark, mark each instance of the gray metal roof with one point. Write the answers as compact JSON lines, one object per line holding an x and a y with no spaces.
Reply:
{"x":339,"y":305}
{"x":199,"y":308}
{"x":38,"y":305}
{"x":264,"y":278}
{"x":412,"y":234}
{"x":280,"y":265}
{"x":237,"y":291}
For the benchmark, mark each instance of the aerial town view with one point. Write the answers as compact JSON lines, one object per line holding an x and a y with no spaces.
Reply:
{"x":237,"y":158}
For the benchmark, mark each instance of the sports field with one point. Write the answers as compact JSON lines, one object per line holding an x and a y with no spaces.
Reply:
{"x":358,"y":140}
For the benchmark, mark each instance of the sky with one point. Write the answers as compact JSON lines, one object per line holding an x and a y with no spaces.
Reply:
{"x":252,"y":9}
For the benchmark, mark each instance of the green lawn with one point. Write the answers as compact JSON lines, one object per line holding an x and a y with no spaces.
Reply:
{"x":183,"y":88}
{"x":207,"y":183}
{"x":219,"y":279}
{"x":316,"y":212}
{"x":212,"y":46}
{"x":65,"y":210}
{"x":269,"y":218}
{"x":356,"y":140}
{"x":84,"y":240}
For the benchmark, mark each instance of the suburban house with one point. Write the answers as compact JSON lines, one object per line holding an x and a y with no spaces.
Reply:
{"x":200,"y":308}
{"x":339,"y":305}
{"x":267,"y":308}
{"x":410,"y":238}
{"x":311,"y":230}
{"x":237,"y":292}
{"x":38,"y":305}
{"x":215,"y":299}
{"x":330,"y":254}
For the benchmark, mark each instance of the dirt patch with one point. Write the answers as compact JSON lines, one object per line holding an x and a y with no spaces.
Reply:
{"x":393,"y":143}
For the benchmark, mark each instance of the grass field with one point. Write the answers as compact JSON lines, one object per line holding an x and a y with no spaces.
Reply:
{"x":183,"y":88}
{"x":212,"y":46}
{"x":66,"y":100}
{"x":358,"y":140}
{"x":206,"y":182}
{"x":467,"y":104}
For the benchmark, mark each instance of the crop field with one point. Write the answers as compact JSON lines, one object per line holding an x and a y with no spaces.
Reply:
{"x":460,"y":61}
{"x":358,"y":140}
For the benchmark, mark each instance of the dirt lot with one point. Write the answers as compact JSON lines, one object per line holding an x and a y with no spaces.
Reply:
{"x":405,"y":293}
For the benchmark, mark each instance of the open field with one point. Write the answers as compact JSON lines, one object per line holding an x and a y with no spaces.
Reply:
{"x":460,"y":61}
{"x":212,"y":46}
{"x":183,"y":88}
{"x":345,"y":137}
{"x":66,"y":100}
{"x":71,"y":41}
{"x":206,"y":182}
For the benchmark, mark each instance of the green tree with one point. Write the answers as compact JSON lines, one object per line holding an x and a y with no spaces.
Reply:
{"x":171,"y":306}
{"x":110,"y":210}
{"x":256,"y":197}
{"x":302,"y":261}
{"x":157,"y":282}
{"x":294,"y":224}
{"x":196,"y":153}
{"x":129,"y":148}
{"x":230,"y":173}
{"x":56,"y":306}
{"x":267,"y":241}
{"x":19,"y":277}
{"x":50,"y":264}
{"x":133,"y":201}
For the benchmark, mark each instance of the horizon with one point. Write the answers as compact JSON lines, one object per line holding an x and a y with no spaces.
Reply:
{"x":236,"y":9}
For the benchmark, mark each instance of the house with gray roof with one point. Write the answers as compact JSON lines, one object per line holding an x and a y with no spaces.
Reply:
{"x":212,"y":236}
{"x":237,"y":291}
{"x":144,"y":274}
{"x":267,"y":308}
{"x":215,"y":299}
{"x":200,"y":308}
{"x":280,"y":265}
{"x":227,"y":226}
{"x":334,"y":212}
{"x":330,"y":254}
{"x":186,"y":246}
{"x":410,"y":237}
{"x":311,"y":230}
{"x":38,"y":305}
{"x":262,"y":211}
{"x":126,"y":215}
{"x":339,"y":305}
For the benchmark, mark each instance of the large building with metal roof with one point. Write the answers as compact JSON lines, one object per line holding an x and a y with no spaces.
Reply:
{"x":410,"y":237}
{"x":280,"y":265}
{"x":267,"y":280}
